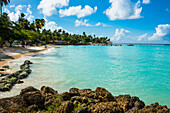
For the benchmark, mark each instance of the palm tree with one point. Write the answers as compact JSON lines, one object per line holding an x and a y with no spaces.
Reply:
{"x":39,"y":23}
{"x":84,"y":34}
{"x":59,"y":30}
{"x":3,"y":2}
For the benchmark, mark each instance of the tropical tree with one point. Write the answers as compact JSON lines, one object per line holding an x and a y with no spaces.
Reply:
{"x":24,"y":23}
{"x":59,"y":30}
{"x":39,"y":23}
{"x":32,"y":26}
{"x":3,"y":2}
{"x":5,"y":25}
{"x":84,"y":34}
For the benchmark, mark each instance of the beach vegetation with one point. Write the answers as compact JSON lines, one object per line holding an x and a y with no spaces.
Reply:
{"x":34,"y":32}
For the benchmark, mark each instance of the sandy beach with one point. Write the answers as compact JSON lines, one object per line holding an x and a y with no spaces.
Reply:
{"x":11,"y":53}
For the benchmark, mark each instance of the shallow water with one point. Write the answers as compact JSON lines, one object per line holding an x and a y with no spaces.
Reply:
{"x":141,"y":70}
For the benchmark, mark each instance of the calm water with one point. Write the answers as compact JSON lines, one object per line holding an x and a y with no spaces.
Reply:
{"x":141,"y":70}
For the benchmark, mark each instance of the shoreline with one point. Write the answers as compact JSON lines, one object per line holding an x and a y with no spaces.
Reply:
{"x":18,"y":53}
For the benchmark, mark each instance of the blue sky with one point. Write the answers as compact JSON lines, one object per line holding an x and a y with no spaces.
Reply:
{"x":123,"y":21}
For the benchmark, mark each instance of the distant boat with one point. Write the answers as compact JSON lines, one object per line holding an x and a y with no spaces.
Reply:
{"x":130,"y":44}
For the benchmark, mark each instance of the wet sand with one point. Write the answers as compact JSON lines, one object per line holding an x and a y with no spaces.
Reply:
{"x":7,"y":54}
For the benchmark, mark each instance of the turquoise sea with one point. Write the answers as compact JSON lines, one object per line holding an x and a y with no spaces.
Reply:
{"x":140,"y":70}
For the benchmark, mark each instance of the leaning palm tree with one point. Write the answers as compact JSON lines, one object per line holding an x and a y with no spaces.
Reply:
{"x":3,"y":2}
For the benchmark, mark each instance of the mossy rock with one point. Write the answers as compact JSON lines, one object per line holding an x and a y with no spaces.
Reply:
{"x":17,"y":73}
{"x":22,"y":75}
{"x":13,"y":80}
{"x":2,"y":69}
{"x":6,"y":66}
{"x":28,"y":71}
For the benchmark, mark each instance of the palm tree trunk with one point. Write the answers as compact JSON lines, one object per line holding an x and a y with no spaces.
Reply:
{"x":0,"y":8}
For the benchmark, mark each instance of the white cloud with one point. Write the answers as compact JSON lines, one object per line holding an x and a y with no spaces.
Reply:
{"x":82,"y":23}
{"x":119,"y":33}
{"x":6,"y":10}
{"x":11,"y":6}
{"x":105,"y":25}
{"x":77,"y":11}
{"x":98,"y":24}
{"x":30,"y":17}
{"x":102,"y":24}
{"x":13,"y":15}
{"x":18,"y":10}
{"x":142,"y":37}
{"x":146,"y":1}
{"x":123,"y":9}
{"x":52,"y":25}
{"x":28,"y":9}
{"x":48,"y":7}
{"x":19,"y":7}
{"x":162,"y":32}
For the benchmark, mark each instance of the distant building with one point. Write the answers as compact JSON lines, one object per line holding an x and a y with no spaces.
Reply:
{"x":109,"y":42}
{"x":61,"y":42}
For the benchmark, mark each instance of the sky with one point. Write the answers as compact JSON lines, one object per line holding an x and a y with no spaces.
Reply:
{"x":123,"y":21}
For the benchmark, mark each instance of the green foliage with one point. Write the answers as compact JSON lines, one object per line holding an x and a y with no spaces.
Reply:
{"x":76,"y":108}
{"x":32,"y":35}
{"x":59,"y":97}
{"x":25,"y":30}
{"x":56,"y":105}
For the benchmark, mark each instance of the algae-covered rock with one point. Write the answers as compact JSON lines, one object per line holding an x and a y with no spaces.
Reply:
{"x":28,"y":71}
{"x":31,"y":96}
{"x":11,"y":79}
{"x":2,"y":69}
{"x":6,"y":67}
{"x":22,"y":75}
{"x":16,"y":73}
{"x":65,"y":95}
{"x":106,"y":107}
{"x":47,"y":100}
{"x":66,"y":107}
{"x":28,"y":62}
{"x":74,"y":92}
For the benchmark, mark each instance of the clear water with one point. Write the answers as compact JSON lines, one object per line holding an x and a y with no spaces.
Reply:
{"x":141,"y":70}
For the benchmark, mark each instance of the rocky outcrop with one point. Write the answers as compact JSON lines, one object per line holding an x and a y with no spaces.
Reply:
{"x":47,"y":100}
{"x":9,"y":80}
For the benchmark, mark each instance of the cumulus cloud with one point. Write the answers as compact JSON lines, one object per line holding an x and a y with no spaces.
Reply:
{"x":119,"y":33}
{"x":162,"y":33}
{"x":98,"y":24}
{"x":30,"y":17}
{"x":102,"y":24}
{"x":19,"y":7}
{"x":48,"y":7}
{"x":11,"y":6}
{"x":77,"y":11}
{"x":82,"y":23}
{"x":146,"y":1}
{"x":52,"y":26}
{"x":123,"y":9}
{"x":18,"y":10}
{"x":142,"y":37}
{"x":85,"y":23}
{"x":28,"y":9}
